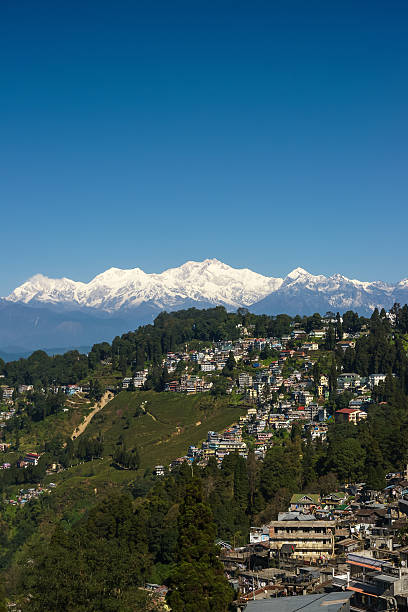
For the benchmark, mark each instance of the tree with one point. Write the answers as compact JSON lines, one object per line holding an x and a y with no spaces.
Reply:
{"x":198,"y":582}
{"x":330,"y":342}
{"x":328,"y":483}
{"x":230,"y":364}
{"x":339,"y":327}
{"x":219,"y":386}
{"x":252,"y":471}
{"x":316,"y":373}
{"x":346,"y":459}
{"x":333,"y":378}
{"x":3,"y":605}
{"x":351,"y":322}
{"x":95,"y":390}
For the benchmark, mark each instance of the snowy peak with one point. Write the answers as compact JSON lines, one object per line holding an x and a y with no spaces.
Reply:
{"x":297,"y":273}
{"x":39,"y":285}
{"x":302,"y":277}
{"x":209,"y":281}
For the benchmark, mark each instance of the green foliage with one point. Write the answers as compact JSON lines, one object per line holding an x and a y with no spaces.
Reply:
{"x":127,"y":459}
{"x":42,"y":370}
{"x":281,"y":469}
{"x":198,"y":581}
{"x":94,"y":568}
{"x":96,"y":390}
{"x":3,"y":604}
{"x":96,"y":559}
{"x":230,"y":364}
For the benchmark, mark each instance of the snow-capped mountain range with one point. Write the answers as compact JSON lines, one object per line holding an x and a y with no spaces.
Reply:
{"x":209,"y":281}
{"x":118,"y":300}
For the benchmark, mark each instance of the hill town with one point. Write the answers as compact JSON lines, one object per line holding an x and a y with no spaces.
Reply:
{"x":294,"y":436}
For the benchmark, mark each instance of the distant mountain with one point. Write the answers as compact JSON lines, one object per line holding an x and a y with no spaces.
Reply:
{"x":207,"y":282}
{"x":44,"y":312}
{"x":304,"y":293}
{"x":26,"y":328}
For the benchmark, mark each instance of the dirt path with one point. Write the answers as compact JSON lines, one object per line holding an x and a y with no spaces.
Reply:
{"x":145,"y":410}
{"x":97,"y":407}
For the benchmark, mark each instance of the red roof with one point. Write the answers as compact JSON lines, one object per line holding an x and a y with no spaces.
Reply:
{"x":348,"y":410}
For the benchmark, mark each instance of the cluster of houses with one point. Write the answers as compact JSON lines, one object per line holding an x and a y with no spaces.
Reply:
{"x":29,"y":459}
{"x":348,"y":541}
{"x":260,"y":381}
{"x":26,"y":495}
{"x":277,"y":395}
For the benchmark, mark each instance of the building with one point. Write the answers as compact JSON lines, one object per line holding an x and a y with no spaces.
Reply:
{"x":32,"y":458}
{"x":7,"y":392}
{"x":329,"y":602}
{"x":345,"y":344}
{"x":304,"y":540}
{"x":25,"y":388}
{"x":376,"y":584}
{"x":245,"y":380}
{"x":374,"y":379}
{"x":208,"y":366}
{"x":310,"y":346}
{"x":304,"y":502}
{"x":349,"y":415}
{"x":140,"y":378}
{"x":318,"y":333}
{"x":348,"y":380}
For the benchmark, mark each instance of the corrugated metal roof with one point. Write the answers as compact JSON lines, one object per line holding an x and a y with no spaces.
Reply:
{"x":332,"y":602}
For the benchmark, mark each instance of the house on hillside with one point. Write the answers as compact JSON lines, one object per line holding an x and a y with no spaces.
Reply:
{"x":304,"y":501}
{"x":350,"y":415}
{"x":334,"y":499}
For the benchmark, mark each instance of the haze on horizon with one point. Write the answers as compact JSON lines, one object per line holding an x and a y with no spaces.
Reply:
{"x":264,"y":134}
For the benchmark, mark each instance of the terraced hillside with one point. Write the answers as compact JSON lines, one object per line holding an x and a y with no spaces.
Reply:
{"x":161,"y":425}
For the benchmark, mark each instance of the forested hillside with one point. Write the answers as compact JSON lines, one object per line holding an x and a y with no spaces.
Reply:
{"x":110,"y":525}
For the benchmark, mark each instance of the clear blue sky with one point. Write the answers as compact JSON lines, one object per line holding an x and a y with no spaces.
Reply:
{"x":267,"y":134}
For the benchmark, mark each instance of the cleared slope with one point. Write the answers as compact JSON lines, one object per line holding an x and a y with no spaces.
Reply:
{"x":172,"y":423}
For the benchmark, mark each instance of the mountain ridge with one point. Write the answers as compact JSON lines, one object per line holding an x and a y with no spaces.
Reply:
{"x":209,"y":281}
{"x":72,"y":312}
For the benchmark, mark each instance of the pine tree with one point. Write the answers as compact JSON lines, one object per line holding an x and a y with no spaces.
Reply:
{"x":198,"y":582}
{"x":330,"y":338}
{"x":339,"y":327}
{"x":230,"y":364}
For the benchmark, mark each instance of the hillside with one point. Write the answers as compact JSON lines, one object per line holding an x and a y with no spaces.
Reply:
{"x":161,"y":425}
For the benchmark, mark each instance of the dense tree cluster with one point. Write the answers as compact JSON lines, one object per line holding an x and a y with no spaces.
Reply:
{"x":148,"y":344}
{"x":96,"y":566}
{"x":128,"y":459}
{"x":41,"y":370}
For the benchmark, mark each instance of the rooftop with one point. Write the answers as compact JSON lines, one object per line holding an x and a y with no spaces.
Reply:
{"x":329,"y":602}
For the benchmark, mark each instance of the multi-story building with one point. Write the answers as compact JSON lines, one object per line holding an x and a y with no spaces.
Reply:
{"x":208,"y":366}
{"x":348,"y":380}
{"x":304,"y":540}
{"x":245,"y":380}
{"x":304,"y":501}
{"x":376,"y":584}
{"x":374,"y":379}
{"x":350,"y":415}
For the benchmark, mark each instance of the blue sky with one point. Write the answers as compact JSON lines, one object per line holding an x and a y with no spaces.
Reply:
{"x":267,"y":134}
